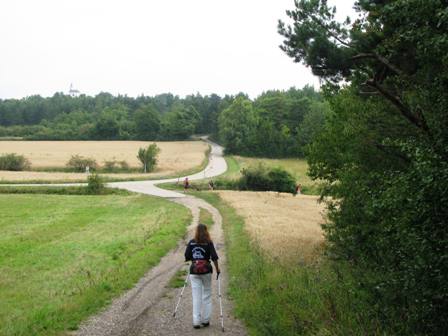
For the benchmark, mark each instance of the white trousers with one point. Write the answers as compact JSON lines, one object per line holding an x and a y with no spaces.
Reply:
{"x":201,"y":288}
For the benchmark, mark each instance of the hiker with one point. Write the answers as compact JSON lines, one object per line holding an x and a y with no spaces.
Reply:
{"x":211,"y":185}
{"x":199,"y":251}
{"x":186,"y":184}
{"x":298,"y":189}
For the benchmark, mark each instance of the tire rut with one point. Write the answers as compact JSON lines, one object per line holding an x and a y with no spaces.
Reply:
{"x":147,"y":308}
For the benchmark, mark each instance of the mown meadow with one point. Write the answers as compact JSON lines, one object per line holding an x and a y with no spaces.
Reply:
{"x":63,"y":257}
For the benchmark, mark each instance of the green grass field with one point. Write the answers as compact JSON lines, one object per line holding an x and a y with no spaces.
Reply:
{"x":62,"y":258}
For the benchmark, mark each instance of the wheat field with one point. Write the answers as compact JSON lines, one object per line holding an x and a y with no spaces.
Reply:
{"x":287,"y":228}
{"x":174,"y":157}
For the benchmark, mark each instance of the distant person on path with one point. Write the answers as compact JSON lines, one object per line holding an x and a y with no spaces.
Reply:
{"x":199,"y":251}
{"x":186,"y":184}
{"x":211,"y":185}
{"x":298,"y":189}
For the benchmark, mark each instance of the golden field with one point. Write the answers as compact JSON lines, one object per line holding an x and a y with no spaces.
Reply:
{"x":287,"y":228}
{"x":174,"y":156}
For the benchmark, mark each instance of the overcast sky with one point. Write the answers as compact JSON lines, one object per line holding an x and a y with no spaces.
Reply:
{"x":146,"y":47}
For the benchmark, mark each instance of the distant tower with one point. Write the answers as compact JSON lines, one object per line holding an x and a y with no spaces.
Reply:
{"x":73,"y":92}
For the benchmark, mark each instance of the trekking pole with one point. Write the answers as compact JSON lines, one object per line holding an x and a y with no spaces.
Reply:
{"x":220,"y":302}
{"x":181,"y":294}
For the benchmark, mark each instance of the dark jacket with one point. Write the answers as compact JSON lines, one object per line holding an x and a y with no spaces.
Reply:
{"x":200,"y":251}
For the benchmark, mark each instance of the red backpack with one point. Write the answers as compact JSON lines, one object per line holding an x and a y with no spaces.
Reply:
{"x":200,"y":267}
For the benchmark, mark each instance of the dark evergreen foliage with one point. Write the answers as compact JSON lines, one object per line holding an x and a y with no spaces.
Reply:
{"x":384,"y":149}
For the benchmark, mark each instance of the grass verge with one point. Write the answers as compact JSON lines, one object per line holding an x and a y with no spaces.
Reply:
{"x":295,"y":299}
{"x":59,"y":190}
{"x":62,"y":258}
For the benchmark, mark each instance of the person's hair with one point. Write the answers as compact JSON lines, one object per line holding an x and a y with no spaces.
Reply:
{"x":201,"y":235}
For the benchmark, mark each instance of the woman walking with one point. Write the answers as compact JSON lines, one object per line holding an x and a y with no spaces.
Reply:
{"x":199,"y":251}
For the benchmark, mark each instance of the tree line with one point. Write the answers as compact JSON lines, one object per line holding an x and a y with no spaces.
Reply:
{"x":108,"y":117}
{"x":276,"y":124}
{"x":383,"y":152}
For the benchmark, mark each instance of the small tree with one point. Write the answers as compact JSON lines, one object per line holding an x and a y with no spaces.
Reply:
{"x":148,"y":157}
{"x":95,"y":184}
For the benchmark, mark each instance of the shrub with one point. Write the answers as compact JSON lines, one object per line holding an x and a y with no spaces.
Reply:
{"x":260,"y":178}
{"x":14,"y":162}
{"x":124,"y":165}
{"x":110,"y":166}
{"x":115,"y":166}
{"x":281,"y":180}
{"x":95,"y":184}
{"x":254,"y":178}
{"x":79,"y":163}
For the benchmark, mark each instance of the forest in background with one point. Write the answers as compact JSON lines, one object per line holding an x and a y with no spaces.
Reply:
{"x":276,"y":124}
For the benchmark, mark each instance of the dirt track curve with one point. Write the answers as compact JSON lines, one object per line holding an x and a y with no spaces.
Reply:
{"x":147,"y":309}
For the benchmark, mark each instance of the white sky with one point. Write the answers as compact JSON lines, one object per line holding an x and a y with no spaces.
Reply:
{"x":146,"y":46}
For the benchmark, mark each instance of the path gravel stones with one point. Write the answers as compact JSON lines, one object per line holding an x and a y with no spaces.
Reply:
{"x":147,"y":309}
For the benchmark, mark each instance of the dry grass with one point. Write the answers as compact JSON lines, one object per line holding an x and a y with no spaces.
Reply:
{"x":174,"y":156}
{"x":284,"y":226}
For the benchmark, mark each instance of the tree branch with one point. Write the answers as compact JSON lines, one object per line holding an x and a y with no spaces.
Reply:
{"x":381,"y":59}
{"x":396,"y":101}
{"x":386,"y":149}
{"x":327,"y":29}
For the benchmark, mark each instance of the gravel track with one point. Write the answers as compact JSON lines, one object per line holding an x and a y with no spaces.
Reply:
{"x":147,"y":309}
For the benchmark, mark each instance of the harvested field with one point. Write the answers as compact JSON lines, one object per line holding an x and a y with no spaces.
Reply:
{"x":174,"y":156}
{"x":64,"y":257}
{"x":284,"y":226}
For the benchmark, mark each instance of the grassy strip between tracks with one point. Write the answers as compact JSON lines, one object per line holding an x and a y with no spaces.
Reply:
{"x":62,"y":258}
{"x":295,"y":299}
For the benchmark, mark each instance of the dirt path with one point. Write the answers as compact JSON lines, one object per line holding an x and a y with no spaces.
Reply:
{"x":147,"y":309}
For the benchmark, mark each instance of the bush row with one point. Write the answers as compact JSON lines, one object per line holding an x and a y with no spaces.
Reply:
{"x":82,"y":164}
{"x":77,"y":163}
